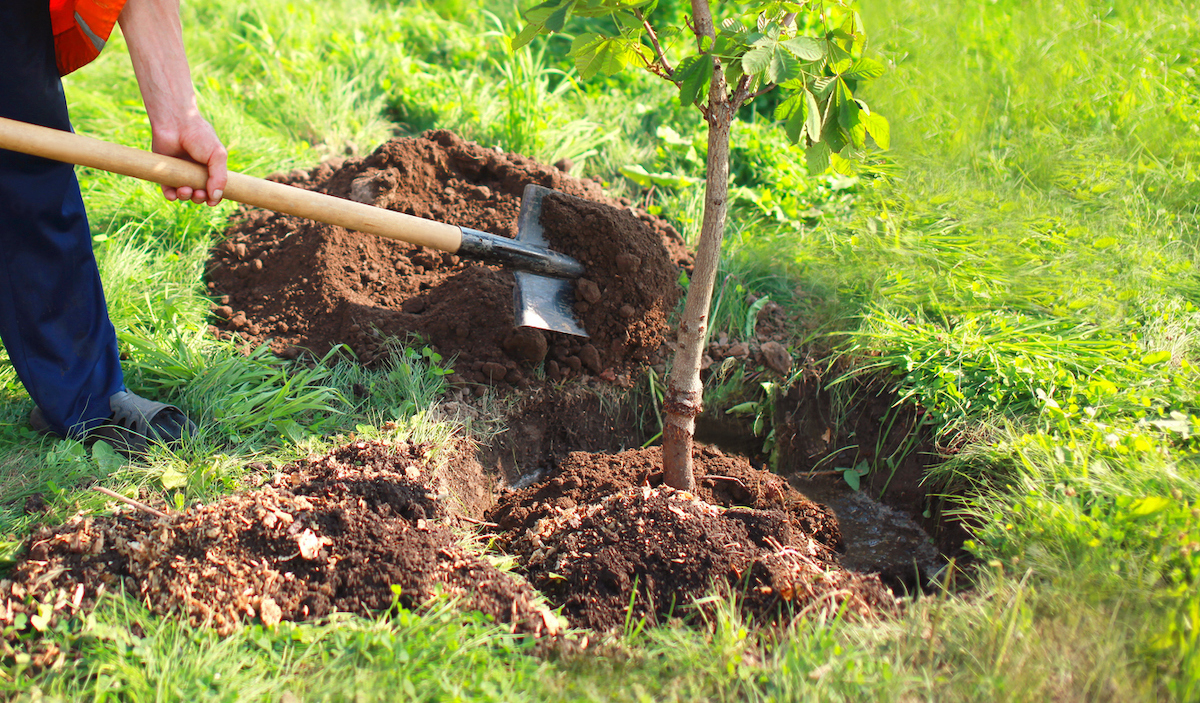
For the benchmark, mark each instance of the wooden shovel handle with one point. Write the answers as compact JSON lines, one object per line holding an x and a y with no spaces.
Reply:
{"x":169,"y":171}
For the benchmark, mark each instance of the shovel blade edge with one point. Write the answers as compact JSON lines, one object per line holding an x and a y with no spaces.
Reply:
{"x":545,"y":303}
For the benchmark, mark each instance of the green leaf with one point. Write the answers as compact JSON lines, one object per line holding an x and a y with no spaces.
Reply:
{"x":864,"y":69}
{"x":527,"y":34}
{"x":768,"y":61}
{"x":752,"y":322}
{"x":595,"y":53}
{"x":852,"y":479}
{"x":550,"y":15}
{"x":783,"y":67}
{"x":1149,"y":505}
{"x":106,"y":457}
{"x":644,"y":178}
{"x":852,"y":122}
{"x":877,"y":127}
{"x":291,"y":429}
{"x":629,"y":23}
{"x":817,"y":157}
{"x":695,"y":75}
{"x":755,"y":61}
{"x":794,"y":114}
{"x":173,"y":478}
{"x":854,"y":33}
{"x":41,"y":621}
{"x":822,"y":87}
{"x":1156,"y":357}
{"x":843,"y":101}
{"x":841,"y":163}
{"x":813,"y":125}
{"x":1104,"y":242}
{"x":558,"y":18}
{"x":801,"y":116}
{"x":805,"y":48}
{"x":840,"y":60}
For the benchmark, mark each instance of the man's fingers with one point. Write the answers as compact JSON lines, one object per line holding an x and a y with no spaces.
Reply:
{"x":196,"y":142}
{"x":218,"y":174}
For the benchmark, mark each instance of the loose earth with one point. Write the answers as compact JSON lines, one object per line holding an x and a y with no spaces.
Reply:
{"x":372,"y":524}
{"x":306,"y":287}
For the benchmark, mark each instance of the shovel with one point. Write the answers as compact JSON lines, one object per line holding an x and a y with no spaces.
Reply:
{"x":543,"y":295}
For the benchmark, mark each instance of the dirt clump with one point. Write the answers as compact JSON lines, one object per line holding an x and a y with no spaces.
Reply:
{"x":723,"y":479}
{"x":602,"y":532}
{"x":329,"y":533}
{"x":630,"y":286}
{"x":305,"y":287}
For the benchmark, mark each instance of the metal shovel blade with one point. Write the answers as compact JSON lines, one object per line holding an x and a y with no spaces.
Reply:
{"x":544,"y":302}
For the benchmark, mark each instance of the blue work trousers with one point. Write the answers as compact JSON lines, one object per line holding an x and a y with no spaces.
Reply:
{"x":53,"y":318}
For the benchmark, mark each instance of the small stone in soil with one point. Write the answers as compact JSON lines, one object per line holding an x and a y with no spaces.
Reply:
{"x":776,"y":357}
{"x":527,"y":344}
{"x":588,"y":290}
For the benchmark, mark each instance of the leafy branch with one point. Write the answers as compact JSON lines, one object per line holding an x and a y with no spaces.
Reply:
{"x":747,"y":50}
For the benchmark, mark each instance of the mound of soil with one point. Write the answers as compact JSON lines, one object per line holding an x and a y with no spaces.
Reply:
{"x":305,"y":286}
{"x":370,"y":523}
{"x":602,"y":532}
{"x":335,"y":532}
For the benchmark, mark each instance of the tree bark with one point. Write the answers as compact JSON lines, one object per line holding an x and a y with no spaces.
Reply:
{"x":684,"y":397}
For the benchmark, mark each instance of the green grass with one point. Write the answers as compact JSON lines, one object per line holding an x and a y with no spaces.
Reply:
{"x":1023,"y":263}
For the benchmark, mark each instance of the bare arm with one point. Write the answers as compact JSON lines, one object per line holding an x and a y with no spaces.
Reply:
{"x":155,"y":37}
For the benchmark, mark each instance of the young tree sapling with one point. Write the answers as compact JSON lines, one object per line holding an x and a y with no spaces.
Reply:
{"x":720,"y":63}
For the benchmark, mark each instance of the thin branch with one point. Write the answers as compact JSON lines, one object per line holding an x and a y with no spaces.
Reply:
{"x":130,"y":501}
{"x":741,"y":93}
{"x":828,"y":472}
{"x":476,"y":521}
{"x":762,"y":91}
{"x":658,"y":50}
{"x":723,"y":478}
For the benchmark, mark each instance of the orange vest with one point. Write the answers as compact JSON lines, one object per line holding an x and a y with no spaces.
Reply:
{"x":80,"y":29}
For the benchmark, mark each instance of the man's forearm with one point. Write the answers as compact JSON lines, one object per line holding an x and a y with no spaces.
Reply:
{"x":155,"y":37}
{"x":152,"y":30}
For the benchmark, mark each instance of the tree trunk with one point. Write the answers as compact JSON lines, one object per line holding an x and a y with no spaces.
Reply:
{"x":683,"y":401}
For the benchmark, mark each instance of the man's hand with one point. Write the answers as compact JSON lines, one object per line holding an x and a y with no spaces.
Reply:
{"x":196,"y":141}
{"x":155,"y":38}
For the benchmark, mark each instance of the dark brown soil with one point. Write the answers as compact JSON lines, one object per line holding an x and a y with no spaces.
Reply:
{"x":602,"y":531}
{"x":590,"y":523}
{"x":341,"y":532}
{"x":307,"y":287}
{"x":544,"y":425}
{"x":815,"y":431}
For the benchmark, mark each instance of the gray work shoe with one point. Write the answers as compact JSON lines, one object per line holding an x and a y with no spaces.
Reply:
{"x":135,"y":423}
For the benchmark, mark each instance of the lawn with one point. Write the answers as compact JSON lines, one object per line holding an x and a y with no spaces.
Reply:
{"x":1021,"y":264}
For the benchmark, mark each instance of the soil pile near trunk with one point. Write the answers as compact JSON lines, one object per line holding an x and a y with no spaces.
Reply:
{"x":602,"y":532}
{"x":341,"y":532}
{"x":330,"y":533}
{"x":309,"y":286}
